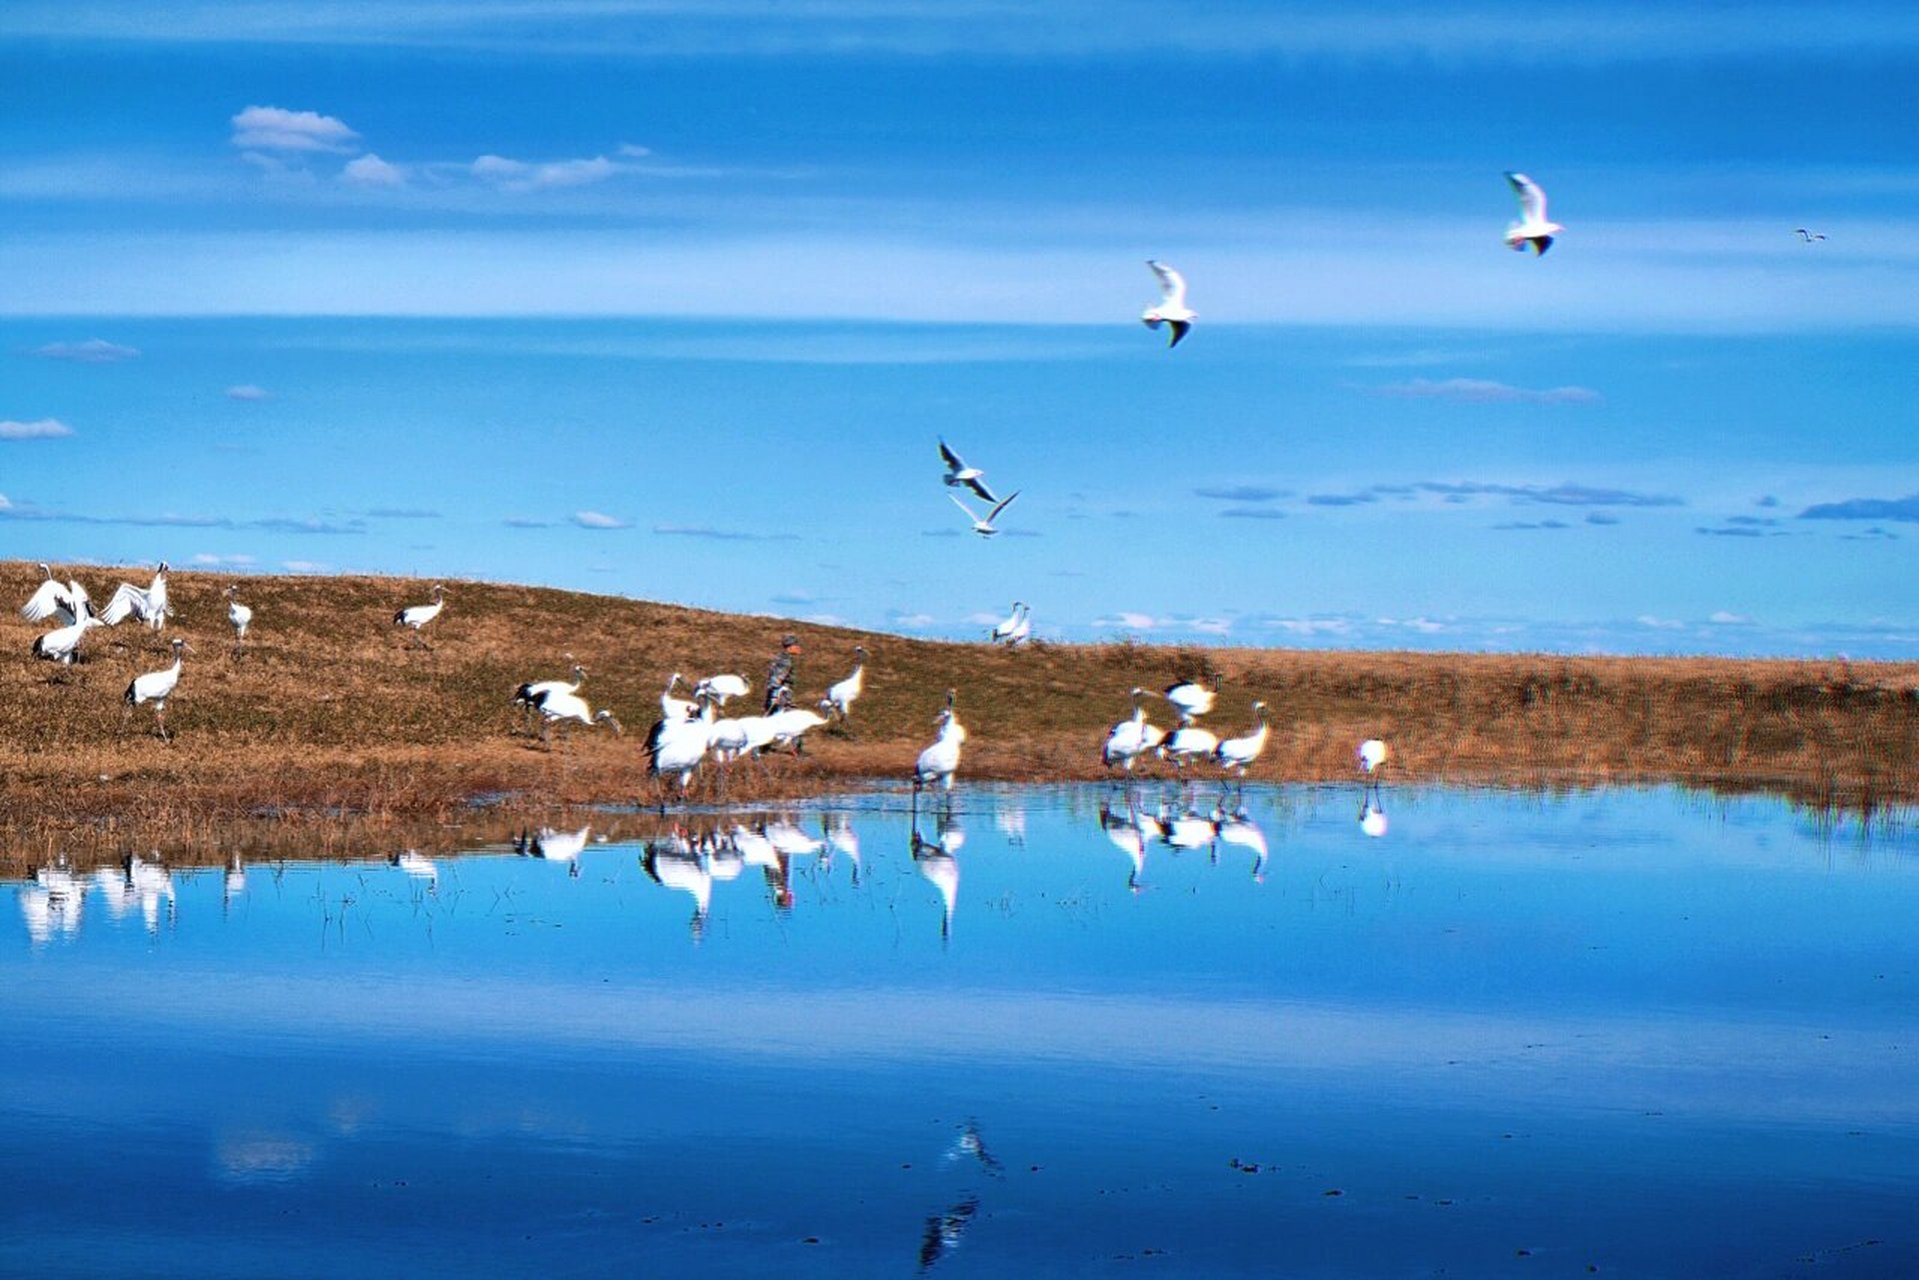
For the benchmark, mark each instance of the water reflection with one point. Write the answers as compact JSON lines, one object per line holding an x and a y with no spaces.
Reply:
{"x":418,"y":867}
{"x":1238,"y":828}
{"x":935,"y":861}
{"x":674,"y":862}
{"x":1372,"y":818}
{"x":138,"y":883}
{"x":51,"y":905}
{"x":555,"y":846}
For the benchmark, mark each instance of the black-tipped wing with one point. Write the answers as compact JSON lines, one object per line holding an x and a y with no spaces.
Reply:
{"x":951,"y":459}
{"x":979,"y":487}
{"x":994,"y":514}
{"x":1180,"y":329}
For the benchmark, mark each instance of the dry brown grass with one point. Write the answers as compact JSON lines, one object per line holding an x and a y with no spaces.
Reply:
{"x":329,"y":713}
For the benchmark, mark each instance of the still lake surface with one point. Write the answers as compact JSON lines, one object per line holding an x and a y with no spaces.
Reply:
{"x":1631,"y":1032}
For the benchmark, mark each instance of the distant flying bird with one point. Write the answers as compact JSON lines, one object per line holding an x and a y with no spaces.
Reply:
{"x":240,"y":615}
{"x":958,"y":473}
{"x":149,"y":605}
{"x":60,"y":645}
{"x":939,"y":762}
{"x":418,"y":615}
{"x":157,"y":686}
{"x":984,"y":528}
{"x":65,"y":600}
{"x":1191,"y":699}
{"x":1172,"y":310}
{"x":1808,"y":236}
{"x":841,"y":695}
{"x":1533,"y":228}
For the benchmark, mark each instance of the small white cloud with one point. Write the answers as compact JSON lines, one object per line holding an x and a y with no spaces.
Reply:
{"x":92,"y":351}
{"x":247,"y":391}
{"x":599,"y":520}
{"x":628,"y":151}
{"x":1138,"y":621}
{"x":824,"y":619}
{"x":5,"y":504}
{"x":984,"y":619}
{"x":527,"y":522}
{"x":371,"y":171}
{"x":1484,"y":391}
{"x":1309,"y":626}
{"x":1659,"y":624}
{"x":44,"y":429}
{"x":518,"y":175}
{"x":277,"y":129}
{"x":1212,"y":626}
{"x":228,"y":562}
{"x":304,"y":566}
{"x":1725,"y":619}
{"x":913,"y":620}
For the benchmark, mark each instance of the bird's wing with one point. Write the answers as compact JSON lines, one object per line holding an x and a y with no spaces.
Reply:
{"x":127,"y":600}
{"x":41,"y":604}
{"x":1002,"y":506}
{"x":1172,"y":285}
{"x":1180,"y":329}
{"x":952,"y":460}
{"x":979,"y":486}
{"x":963,"y":507}
{"x":1532,"y":200}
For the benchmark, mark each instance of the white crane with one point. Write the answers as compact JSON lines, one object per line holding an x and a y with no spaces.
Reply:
{"x":721,"y":689}
{"x":240,"y":615}
{"x":939,"y":762}
{"x":789,"y":725}
{"x":1188,"y":742}
{"x":1004,"y":631}
{"x":1372,"y":757}
{"x":1190,"y":699}
{"x":157,"y":686}
{"x":1239,"y":753}
{"x":672,"y":708}
{"x":149,"y":605}
{"x":570,"y":708}
{"x":674,"y":748}
{"x":1171,"y":310}
{"x":1022,"y":630}
{"x":959,"y":474}
{"x":984,"y":527}
{"x":417,"y":616}
{"x":62,"y":644}
{"x":64,"y":600}
{"x":1533,"y":227}
{"x":841,"y":695}
{"x":1132,"y":737}
{"x":735,"y":736}
{"x":530,"y":694}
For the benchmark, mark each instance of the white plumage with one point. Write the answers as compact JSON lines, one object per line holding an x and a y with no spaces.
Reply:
{"x":1239,"y":753}
{"x":675,"y":748}
{"x":958,"y":473}
{"x":1533,"y":227}
{"x":61,"y":644}
{"x":1190,"y":699}
{"x":1171,"y":310}
{"x":530,"y":694}
{"x":939,"y":762}
{"x":984,"y":526}
{"x":841,"y":695}
{"x":148,"y":604}
{"x":1372,"y":756}
{"x":157,"y":686}
{"x":1188,"y":742}
{"x":721,"y":689}
{"x":1131,"y":738}
{"x":418,"y":615}
{"x":239,"y":615}
{"x":65,"y":600}
{"x":1004,"y":631}
{"x":672,"y":708}
{"x":568,"y":707}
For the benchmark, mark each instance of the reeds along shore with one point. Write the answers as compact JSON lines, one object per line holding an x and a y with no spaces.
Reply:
{"x":326,"y":711}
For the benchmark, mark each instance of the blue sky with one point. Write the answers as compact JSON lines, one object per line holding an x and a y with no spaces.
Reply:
{"x":672,"y":300}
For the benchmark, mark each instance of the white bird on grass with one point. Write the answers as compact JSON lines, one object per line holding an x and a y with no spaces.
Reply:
{"x":149,"y":605}
{"x":1533,"y":227}
{"x":675,"y":748}
{"x":63,"y":644}
{"x":240,"y":615}
{"x":1131,"y":738}
{"x":570,"y":708}
{"x":789,"y":725}
{"x":1239,"y":753}
{"x":530,"y":694}
{"x":65,"y":600}
{"x":841,"y":695}
{"x":157,"y":686}
{"x":939,"y":762}
{"x":1003,"y":632}
{"x":672,"y":708}
{"x":958,"y":474}
{"x":984,"y":527}
{"x":1188,"y":742}
{"x":721,"y":689}
{"x":418,"y":615}
{"x":1190,"y":699}
{"x":1171,"y":309}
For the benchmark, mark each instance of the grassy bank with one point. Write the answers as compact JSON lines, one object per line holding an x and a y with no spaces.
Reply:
{"x":327,"y":711}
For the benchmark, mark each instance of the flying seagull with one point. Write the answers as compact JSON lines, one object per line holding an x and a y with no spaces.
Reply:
{"x":1172,"y":309}
{"x":984,"y":528}
{"x":1808,"y":236}
{"x":1533,"y":228}
{"x":958,"y":473}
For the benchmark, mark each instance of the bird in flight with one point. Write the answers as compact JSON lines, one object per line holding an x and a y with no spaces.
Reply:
{"x":958,"y":473}
{"x":1172,"y":309}
{"x":1808,"y":236}
{"x":984,"y":527}
{"x":1533,"y":227}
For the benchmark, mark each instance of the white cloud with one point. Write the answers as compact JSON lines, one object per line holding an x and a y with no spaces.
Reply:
{"x":1726,"y":619}
{"x":6,"y":504}
{"x":517,"y":175}
{"x":1485,"y":391}
{"x":1659,"y":624}
{"x":277,"y":129}
{"x":825,"y":620}
{"x":305,"y":566}
{"x":371,"y":171}
{"x":228,"y":562}
{"x":92,"y":351}
{"x":628,"y":151}
{"x":599,"y":520}
{"x":1309,"y":626}
{"x":913,"y":621}
{"x":44,"y":429}
{"x":247,"y":391}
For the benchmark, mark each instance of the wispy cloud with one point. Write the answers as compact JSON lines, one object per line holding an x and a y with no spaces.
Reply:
{"x":1906,"y":508}
{"x":1566,"y":495}
{"x":1253,"y":513}
{"x":92,"y":351}
{"x":172,"y":520}
{"x":276,"y":129}
{"x":403,"y":513}
{"x":1361,"y":498}
{"x":305,"y":566}
{"x":599,"y":520}
{"x":1483,"y":391}
{"x":1241,"y":493}
{"x":1533,"y":524}
{"x":519,"y":175}
{"x":208,"y":561}
{"x":1601,"y":518}
{"x":721,"y":535}
{"x":248,"y":392}
{"x":43,"y":429}
{"x":526,"y":522}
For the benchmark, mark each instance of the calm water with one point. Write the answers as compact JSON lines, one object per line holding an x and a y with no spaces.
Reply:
{"x":1481,"y":1034}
